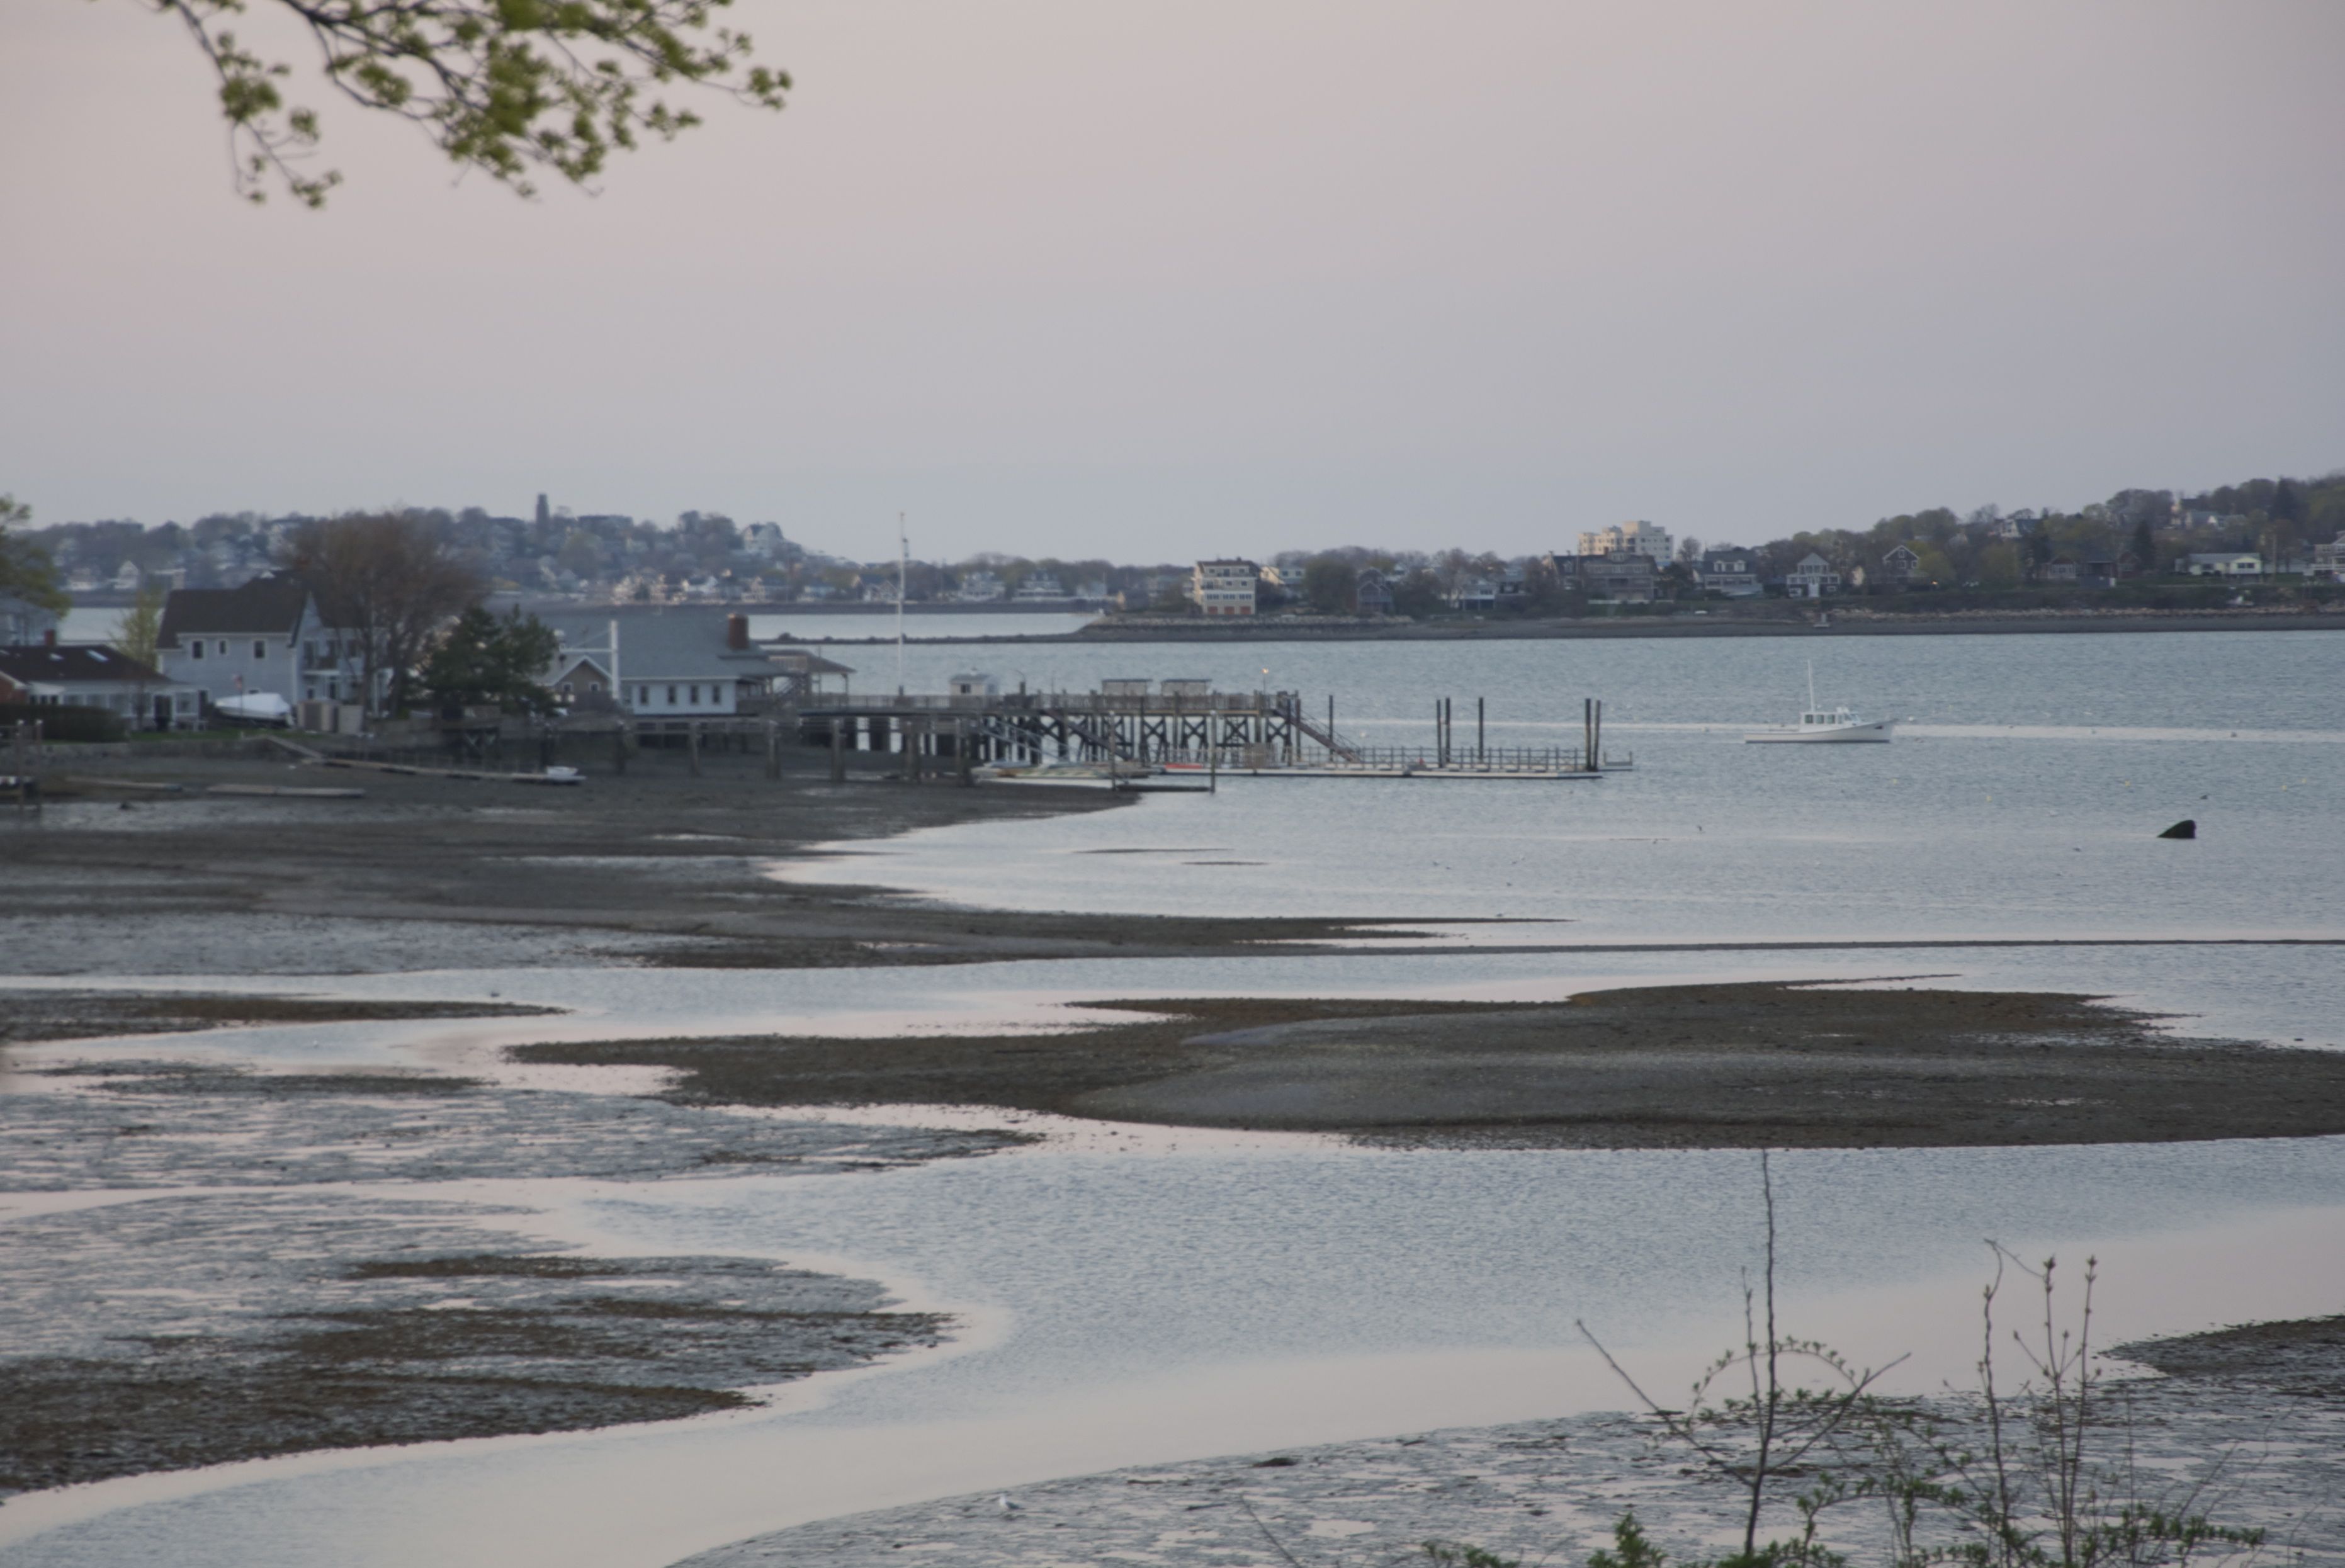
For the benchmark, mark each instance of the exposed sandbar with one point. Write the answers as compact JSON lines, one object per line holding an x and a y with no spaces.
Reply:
{"x":1729,"y":1066}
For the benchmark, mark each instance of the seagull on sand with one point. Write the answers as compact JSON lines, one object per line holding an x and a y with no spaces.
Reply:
{"x":1004,"y":1505}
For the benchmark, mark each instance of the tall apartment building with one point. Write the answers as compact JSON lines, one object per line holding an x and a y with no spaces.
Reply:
{"x":1225,"y":587}
{"x":1633,"y":538}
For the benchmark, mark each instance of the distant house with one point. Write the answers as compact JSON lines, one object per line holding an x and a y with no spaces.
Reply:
{"x":1225,"y":587}
{"x":1813,"y":578}
{"x":22,"y":620}
{"x":1732,"y":571}
{"x":2328,"y":561}
{"x":1372,"y":595}
{"x":2060,"y":569}
{"x":682,"y":664}
{"x":2241,"y":563}
{"x":1042,"y":585}
{"x":980,"y":588}
{"x":1899,"y":566}
{"x":264,"y":636}
{"x":1620,"y":577}
{"x":49,"y":674}
{"x":1634,"y":538}
{"x":1473,"y":595}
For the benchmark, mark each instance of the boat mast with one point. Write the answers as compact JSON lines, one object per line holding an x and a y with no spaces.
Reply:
{"x":1812,"y":685}
{"x":903,"y":564}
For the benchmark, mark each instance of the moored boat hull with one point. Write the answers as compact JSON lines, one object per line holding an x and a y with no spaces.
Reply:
{"x":1834,"y":734}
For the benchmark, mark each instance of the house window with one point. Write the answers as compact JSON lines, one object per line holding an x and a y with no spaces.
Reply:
{"x":259,"y":649}
{"x":196,"y":649}
{"x":670,"y":696}
{"x":565,"y":691}
{"x":695,"y":696}
{"x":333,"y":691}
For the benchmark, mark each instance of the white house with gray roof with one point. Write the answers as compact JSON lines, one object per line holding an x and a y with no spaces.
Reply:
{"x":264,"y":636}
{"x":679,"y":664}
{"x":50,"y":673}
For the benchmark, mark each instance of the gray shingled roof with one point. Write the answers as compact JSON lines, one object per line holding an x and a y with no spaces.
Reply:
{"x":71,"y":662}
{"x":665,"y":644}
{"x":270,"y":605}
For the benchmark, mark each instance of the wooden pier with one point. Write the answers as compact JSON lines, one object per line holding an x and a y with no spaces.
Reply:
{"x":1180,"y":729}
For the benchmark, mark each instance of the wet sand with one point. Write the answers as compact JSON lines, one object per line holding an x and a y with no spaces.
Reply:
{"x":655,"y":865}
{"x":2210,"y":1439}
{"x":1710,"y":1066}
{"x":357,"y":1341}
{"x":27,"y":1015}
{"x":278,"y":1264}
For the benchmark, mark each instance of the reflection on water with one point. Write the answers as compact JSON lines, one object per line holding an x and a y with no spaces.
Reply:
{"x":1178,"y":1295}
{"x":1156,"y":1305}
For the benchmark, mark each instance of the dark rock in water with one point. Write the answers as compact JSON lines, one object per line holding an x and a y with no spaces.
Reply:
{"x":2187,"y":828}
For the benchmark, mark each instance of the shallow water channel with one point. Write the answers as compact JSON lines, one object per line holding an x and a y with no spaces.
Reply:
{"x":1130,"y":1295}
{"x":1135,"y":1295}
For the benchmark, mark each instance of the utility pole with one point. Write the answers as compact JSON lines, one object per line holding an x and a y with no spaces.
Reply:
{"x":903,"y":570}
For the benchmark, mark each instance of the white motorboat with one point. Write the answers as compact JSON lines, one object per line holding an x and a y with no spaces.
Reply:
{"x":264,"y":708}
{"x":1822,"y":726}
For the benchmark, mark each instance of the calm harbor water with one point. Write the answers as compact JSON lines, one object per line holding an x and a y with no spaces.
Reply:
{"x":1135,"y":1295}
{"x":2022,"y":802}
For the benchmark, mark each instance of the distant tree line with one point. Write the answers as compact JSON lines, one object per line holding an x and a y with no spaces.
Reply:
{"x":708,"y":555}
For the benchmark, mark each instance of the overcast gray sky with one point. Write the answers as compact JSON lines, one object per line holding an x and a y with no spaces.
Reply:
{"x":1162,"y":277}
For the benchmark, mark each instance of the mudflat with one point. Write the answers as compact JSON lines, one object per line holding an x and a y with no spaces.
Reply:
{"x":658,"y":864}
{"x":26,"y":1014}
{"x":1728,"y":1065}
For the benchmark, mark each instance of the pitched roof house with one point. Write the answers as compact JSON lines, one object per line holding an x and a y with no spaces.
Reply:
{"x":22,"y":620}
{"x":92,"y":675}
{"x":1731,"y":571}
{"x":1813,"y":578}
{"x":678,"y":664}
{"x":264,"y":636}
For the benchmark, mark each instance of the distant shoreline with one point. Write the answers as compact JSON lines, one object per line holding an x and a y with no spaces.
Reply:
{"x":1273,"y":630}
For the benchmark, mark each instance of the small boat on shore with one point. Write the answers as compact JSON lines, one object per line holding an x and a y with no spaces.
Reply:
{"x":1821,"y":725}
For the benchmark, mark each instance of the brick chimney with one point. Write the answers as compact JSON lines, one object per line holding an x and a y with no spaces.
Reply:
{"x":736,"y":634}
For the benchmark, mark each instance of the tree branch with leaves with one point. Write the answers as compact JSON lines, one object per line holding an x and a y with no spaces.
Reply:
{"x":507,"y":87}
{"x":27,"y":570}
{"x":388,"y":582}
